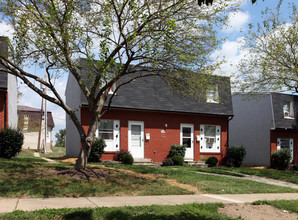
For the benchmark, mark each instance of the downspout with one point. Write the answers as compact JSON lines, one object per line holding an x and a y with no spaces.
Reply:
{"x":228,"y":127}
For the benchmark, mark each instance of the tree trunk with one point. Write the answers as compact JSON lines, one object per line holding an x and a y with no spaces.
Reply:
{"x":82,"y":160}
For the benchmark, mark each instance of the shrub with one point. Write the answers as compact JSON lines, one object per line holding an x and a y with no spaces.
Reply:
{"x":178,"y":160}
{"x":167,"y":162}
{"x":127,"y":159}
{"x":97,"y":150}
{"x":281,"y":159}
{"x":120,"y":154}
{"x":211,"y":161}
{"x":11,"y":141}
{"x":177,"y":150}
{"x":236,"y":155}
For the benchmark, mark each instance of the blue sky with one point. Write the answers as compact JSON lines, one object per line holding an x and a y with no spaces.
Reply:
{"x":237,"y":26}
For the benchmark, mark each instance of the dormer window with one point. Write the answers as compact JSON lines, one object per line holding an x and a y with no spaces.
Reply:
{"x":112,"y":89}
{"x":288,"y":110}
{"x":212,"y":94}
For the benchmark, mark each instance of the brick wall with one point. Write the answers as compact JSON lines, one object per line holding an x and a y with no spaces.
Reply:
{"x":157,"y":148}
{"x":2,"y":109}
{"x":274,"y":134}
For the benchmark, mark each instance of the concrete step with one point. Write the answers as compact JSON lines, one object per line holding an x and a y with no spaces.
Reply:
{"x":144,"y":161}
{"x":196,"y":163}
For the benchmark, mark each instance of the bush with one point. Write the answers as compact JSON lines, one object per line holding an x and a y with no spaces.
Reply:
{"x":11,"y":141}
{"x":281,"y":159}
{"x":178,"y":160}
{"x":120,"y":154}
{"x":177,"y":150}
{"x":127,"y":159}
{"x":167,"y":162}
{"x":97,"y":150}
{"x":211,"y":161}
{"x":236,"y":155}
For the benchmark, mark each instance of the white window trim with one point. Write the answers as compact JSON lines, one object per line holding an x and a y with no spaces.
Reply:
{"x":203,"y":146}
{"x":291,"y":140}
{"x":113,"y":145}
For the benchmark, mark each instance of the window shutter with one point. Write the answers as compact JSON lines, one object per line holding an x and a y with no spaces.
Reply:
{"x":117,"y":135}
{"x":202,"y":139}
{"x":218,"y":137}
{"x":278,"y":143}
{"x":292,"y":148}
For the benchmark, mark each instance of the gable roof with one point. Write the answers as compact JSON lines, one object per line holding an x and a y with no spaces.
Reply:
{"x":34,"y":114}
{"x":278,"y":100}
{"x":153,"y":94}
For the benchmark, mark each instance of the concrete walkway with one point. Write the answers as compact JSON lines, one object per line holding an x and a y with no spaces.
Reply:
{"x":36,"y":154}
{"x":9,"y":205}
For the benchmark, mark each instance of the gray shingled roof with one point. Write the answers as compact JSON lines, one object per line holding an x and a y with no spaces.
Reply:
{"x":3,"y":51}
{"x":152,"y":93}
{"x":278,"y":100}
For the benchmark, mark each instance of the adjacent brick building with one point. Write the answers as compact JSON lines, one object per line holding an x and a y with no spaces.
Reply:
{"x":146,"y":117}
{"x":8,"y":92}
{"x":265,"y":124}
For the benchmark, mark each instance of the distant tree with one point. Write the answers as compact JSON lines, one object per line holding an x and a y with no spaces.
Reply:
{"x":272,"y":61}
{"x":60,"y":138}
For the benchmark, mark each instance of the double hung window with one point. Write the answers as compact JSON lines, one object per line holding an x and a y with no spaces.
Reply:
{"x":109,"y":130}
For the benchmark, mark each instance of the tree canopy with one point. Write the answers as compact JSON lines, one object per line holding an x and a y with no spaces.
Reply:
{"x":272,"y":61}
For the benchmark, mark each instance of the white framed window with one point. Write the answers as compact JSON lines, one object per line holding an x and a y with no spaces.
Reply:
{"x":109,"y":130}
{"x":288,"y":110}
{"x":212,"y":94}
{"x":210,"y":138}
{"x":286,"y":143}
{"x":113,"y":88}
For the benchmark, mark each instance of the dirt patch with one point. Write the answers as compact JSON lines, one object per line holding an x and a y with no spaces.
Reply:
{"x":77,"y":174}
{"x":256,"y":212}
{"x":141,"y":175}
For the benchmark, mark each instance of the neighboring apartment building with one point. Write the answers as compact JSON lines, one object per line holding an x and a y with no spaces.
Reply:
{"x":265,"y":124}
{"x":29,"y":123}
{"x":146,"y":117}
{"x":8,"y":93}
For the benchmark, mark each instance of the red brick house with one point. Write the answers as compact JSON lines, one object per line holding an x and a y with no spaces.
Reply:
{"x":8,"y":93}
{"x":265,"y":124}
{"x":146,"y":117}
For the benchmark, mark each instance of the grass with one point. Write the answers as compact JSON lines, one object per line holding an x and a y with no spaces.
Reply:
{"x":208,"y":183}
{"x":27,"y":176}
{"x":284,"y":175}
{"x":178,"y":212}
{"x":289,"y":205}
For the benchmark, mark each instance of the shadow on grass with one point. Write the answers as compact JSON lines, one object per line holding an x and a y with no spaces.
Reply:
{"x":84,"y":214}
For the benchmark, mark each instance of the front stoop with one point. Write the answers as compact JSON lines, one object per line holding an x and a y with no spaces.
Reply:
{"x":145,"y":162}
{"x":196,"y":163}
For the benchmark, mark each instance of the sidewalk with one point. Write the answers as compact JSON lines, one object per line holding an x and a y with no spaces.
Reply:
{"x":9,"y":205}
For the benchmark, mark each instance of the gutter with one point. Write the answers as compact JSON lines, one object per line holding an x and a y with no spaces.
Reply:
{"x":5,"y":109}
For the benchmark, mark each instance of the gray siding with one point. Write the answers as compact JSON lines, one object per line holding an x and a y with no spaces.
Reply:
{"x":12,"y":101}
{"x":251,"y":126}
{"x":73,"y":94}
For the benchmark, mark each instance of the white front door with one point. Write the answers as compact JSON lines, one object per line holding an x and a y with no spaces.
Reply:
{"x":186,"y":137}
{"x":136,"y":139}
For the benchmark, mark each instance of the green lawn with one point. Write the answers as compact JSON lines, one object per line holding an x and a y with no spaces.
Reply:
{"x":208,"y":183}
{"x":289,"y":205}
{"x":284,"y":175}
{"x":28,"y":176}
{"x":178,"y":212}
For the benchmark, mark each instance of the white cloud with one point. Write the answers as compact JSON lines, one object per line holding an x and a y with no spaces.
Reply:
{"x":232,"y":52}
{"x":236,"y":21}
{"x":6,"y":30}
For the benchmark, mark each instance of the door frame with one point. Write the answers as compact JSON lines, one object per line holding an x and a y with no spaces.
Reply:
{"x":191,"y":126}
{"x":130,"y":123}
